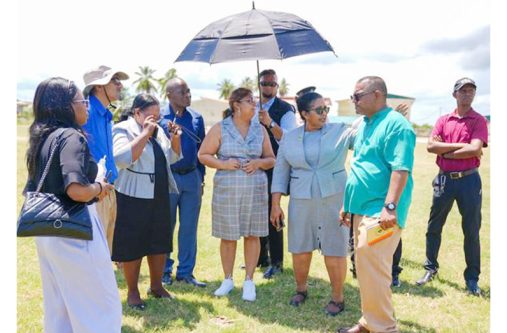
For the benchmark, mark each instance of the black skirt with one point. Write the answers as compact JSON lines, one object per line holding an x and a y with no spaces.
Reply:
{"x":143,"y":225}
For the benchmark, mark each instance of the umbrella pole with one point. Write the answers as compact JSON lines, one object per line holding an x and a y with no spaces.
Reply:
{"x":259,"y":85}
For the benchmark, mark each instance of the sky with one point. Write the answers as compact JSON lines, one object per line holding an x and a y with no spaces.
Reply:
{"x":420,"y":48}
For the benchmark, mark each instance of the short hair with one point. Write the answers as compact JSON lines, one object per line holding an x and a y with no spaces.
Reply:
{"x":267,"y":72}
{"x":375,"y":83}
{"x":236,"y":96}
{"x":143,"y":101}
{"x":172,"y":83}
{"x":304,"y":102}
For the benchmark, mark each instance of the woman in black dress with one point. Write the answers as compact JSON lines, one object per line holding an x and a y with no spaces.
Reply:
{"x":143,"y":154}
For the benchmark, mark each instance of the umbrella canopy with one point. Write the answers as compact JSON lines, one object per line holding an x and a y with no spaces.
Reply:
{"x":254,"y":35}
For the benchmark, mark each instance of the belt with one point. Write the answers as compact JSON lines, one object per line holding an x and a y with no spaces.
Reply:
{"x":459,"y":174}
{"x":183,"y":171}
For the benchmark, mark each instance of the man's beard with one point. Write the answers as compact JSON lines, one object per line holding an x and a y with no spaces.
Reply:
{"x":267,"y":96}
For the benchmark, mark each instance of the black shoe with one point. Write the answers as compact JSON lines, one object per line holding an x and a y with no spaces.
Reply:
{"x":138,"y":307}
{"x":396,"y":281}
{"x":167,"y":279}
{"x":272,"y":271}
{"x":473,"y":288}
{"x":428,"y":276}
{"x":191,"y":280}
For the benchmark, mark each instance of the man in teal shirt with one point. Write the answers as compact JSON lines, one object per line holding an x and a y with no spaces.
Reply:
{"x":378,"y":192}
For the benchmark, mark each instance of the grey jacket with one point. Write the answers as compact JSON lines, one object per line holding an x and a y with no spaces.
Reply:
{"x":291,"y":165}
{"x":134,"y":177}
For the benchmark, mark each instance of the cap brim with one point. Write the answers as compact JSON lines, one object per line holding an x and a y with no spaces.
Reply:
{"x":105,"y":80}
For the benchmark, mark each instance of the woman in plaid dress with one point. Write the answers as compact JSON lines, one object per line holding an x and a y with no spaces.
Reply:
{"x":240,"y":150}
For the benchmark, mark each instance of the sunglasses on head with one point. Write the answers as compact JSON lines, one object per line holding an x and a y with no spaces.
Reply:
{"x":269,"y":84}
{"x":321,"y":110}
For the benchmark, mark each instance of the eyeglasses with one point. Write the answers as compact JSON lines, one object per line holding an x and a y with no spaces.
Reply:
{"x":116,"y":81}
{"x":85,"y":102}
{"x":321,"y":110}
{"x":249,"y":101}
{"x":269,"y":84}
{"x":357,"y":96}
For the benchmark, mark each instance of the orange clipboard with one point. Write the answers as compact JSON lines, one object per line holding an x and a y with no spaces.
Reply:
{"x":374,"y":233}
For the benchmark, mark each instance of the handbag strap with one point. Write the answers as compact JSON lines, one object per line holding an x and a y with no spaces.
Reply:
{"x":48,"y":164}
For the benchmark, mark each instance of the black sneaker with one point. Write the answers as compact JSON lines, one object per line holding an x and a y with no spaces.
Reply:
{"x":396,"y":281}
{"x":473,"y":288}
{"x":167,"y":279}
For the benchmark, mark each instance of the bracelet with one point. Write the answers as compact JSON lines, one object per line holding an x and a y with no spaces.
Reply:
{"x":100,"y":185}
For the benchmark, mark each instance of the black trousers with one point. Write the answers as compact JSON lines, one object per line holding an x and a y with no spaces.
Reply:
{"x":467,"y":192}
{"x":271,"y":245}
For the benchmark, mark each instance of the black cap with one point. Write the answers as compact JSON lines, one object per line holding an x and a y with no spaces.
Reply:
{"x":305,"y":91}
{"x":462,"y":82}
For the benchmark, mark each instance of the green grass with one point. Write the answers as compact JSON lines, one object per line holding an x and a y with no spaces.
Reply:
{"x":441,"y":306}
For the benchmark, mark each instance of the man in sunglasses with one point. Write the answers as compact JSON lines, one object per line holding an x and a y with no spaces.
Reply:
{"x":378,"y":193}
{"x":103,"y":87}
{"x":278,"y":117}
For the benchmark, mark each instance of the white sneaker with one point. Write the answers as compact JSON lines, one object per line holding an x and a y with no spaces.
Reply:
{"x":225,"y":288}
{"x":249,"y":290}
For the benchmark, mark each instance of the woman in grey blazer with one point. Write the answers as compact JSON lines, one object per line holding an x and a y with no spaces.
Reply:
{"x":143,"y":155}
{"x":311,"y":161}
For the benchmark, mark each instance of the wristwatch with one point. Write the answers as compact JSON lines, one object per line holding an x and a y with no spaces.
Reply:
{"x":272,"y":124}
{"x":390,"y":206}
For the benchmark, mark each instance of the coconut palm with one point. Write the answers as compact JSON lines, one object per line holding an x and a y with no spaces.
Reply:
{"x":283,"y":90}
{"x":249,"y":83}
{"x":170,"y":74}
{"x":225,"y":88}
{"x":146,"y":82}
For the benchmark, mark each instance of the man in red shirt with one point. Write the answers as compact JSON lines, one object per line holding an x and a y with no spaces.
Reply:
{"x":457,"y":140}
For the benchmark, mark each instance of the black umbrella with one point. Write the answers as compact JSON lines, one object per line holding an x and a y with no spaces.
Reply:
{"x":253,"y":35}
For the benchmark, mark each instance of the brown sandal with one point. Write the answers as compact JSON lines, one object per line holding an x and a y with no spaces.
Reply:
{"x":299,"y":298}
{"x":333,"y":308}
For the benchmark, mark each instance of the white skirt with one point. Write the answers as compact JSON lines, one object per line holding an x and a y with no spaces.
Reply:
{"x":78,"y":283}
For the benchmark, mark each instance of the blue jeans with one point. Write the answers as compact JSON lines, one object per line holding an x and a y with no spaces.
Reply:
{"x":467,"y":192}
{"x":188,"y":204}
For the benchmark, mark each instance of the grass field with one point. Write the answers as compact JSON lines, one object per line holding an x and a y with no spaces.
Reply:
{"x":441,"y":306}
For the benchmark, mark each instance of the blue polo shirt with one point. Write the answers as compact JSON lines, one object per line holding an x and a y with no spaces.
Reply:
{"x":384,"y":143}
{"x":100,"y":138}
{"x":194,"y":122}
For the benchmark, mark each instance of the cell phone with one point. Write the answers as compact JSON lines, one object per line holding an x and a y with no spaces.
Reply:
{"x":281,"y":225}
{"x":155,"y":132}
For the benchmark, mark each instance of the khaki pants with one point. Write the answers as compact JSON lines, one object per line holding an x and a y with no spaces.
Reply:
{"x":106,"y":209}
{"x":373,"y":267}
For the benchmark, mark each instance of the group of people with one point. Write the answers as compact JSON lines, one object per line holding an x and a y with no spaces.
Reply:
{"x":156,"y":159}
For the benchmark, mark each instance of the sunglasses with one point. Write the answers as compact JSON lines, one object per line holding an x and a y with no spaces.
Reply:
{"x":249,"y":101}
{"x":269,"y":84}
{"x":321,"y":110}
{"x":357,"y":96}
{"x":116,"y":81}
{"x":85,"y":102}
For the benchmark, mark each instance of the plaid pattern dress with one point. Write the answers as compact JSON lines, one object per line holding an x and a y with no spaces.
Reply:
{"x":240,"y":201}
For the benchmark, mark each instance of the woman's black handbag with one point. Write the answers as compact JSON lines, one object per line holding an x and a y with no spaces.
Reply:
{"x":47,"y":214}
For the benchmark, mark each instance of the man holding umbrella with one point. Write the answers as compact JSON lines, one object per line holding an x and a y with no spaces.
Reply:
{"x":278,"y":117}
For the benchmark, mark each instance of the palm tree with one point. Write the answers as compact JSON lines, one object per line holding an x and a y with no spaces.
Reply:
{"x":283,"y":90}
{"x":162,"y":82}
{"x":146,"y":82}
{"x":225,"y":88}
{"x":249,"y":83}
